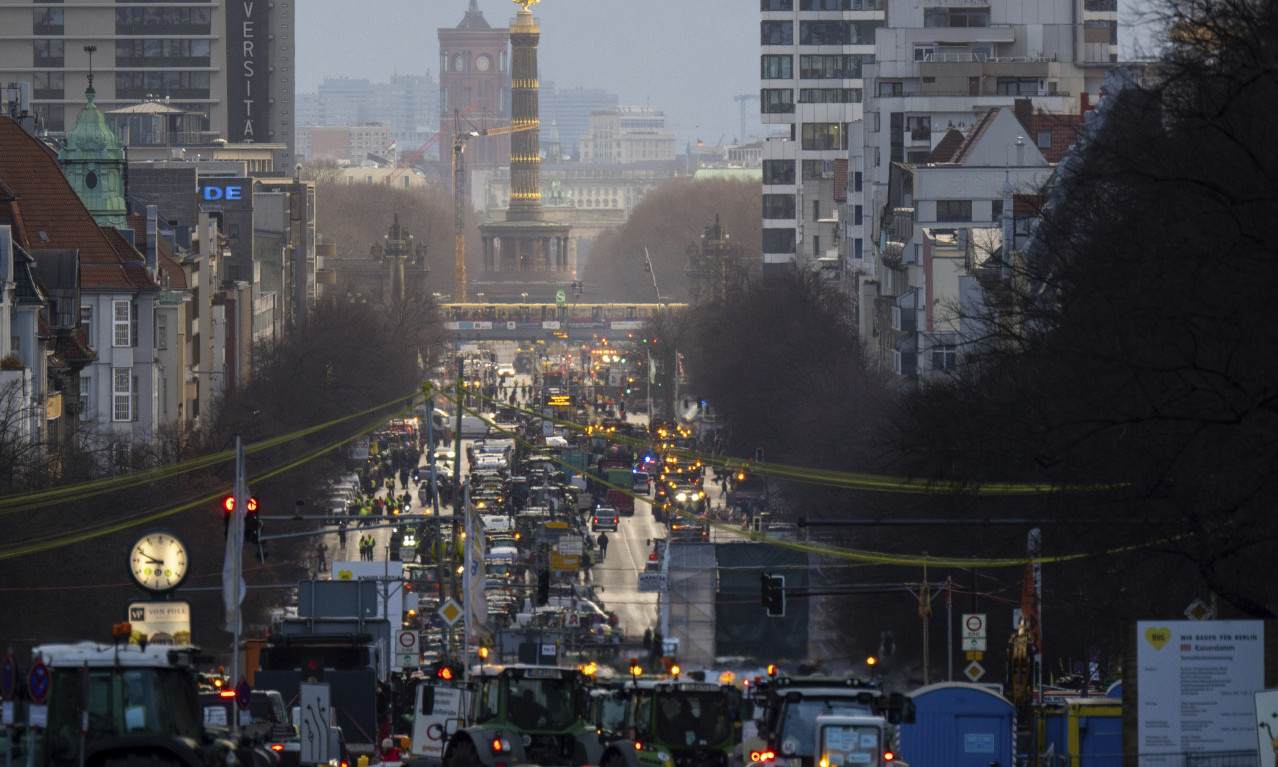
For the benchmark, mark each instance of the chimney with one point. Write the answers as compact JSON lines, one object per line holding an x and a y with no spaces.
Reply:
{"x":1024,"y":111}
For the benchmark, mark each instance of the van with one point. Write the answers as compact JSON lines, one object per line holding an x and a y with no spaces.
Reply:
{"x":642,"y":482}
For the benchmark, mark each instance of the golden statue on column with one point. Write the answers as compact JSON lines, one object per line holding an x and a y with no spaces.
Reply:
{"x":526,"y":3}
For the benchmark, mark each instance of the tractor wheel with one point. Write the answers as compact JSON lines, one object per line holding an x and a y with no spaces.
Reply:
{"x":613,"y":759}
{"x":464,"y":755}
{"x":141,"y":760}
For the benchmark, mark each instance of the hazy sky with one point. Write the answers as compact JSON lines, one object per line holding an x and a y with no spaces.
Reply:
{"x":687,"y":58}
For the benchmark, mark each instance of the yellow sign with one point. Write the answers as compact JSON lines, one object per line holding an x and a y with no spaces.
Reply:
{"x":564,"y":563}
{"x":450,"y":611}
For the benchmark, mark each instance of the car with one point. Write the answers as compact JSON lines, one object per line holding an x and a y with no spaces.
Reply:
{"x":642,"y":482}
{"x":505,"y":371}
{"x":605,"y":518}
{"x":268,"y":721}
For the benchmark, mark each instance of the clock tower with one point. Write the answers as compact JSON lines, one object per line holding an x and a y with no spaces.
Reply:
{"x":474,"y":79}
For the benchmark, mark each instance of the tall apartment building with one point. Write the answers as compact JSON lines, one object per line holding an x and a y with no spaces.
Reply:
{"x":811,"y":68}
{"x":230,"y":60}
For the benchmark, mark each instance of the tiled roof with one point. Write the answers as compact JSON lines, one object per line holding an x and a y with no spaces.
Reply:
{"x":1063,"y":129}
{"x":47,"y":215}
{"x":974,"y":135}
{"x":947,"y":146}
{"x":171,"y":274}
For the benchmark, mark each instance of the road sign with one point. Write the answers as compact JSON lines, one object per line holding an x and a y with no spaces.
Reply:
{"x":652,"y":582}
{"x":38,"y":681}
{"x":243,"y":694}
{"x":569,"y":545}
{"x":973,"y":625}
{"x":450,"y":611}
{"x":974,"y":644}
{"x":561,"y":297}
{"x":974,"y":671}
{"x":572,"y":620}
{"x":317,"y":718}
{"x":406,"y":653}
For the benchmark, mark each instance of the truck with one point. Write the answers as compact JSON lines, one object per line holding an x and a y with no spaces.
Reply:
{"x":439,"y":707}
{"x":521,"y":714}
{"x":787,"y":708}
{"x":852,"y":741}
{"x":672,"y":722}
{"x":117,"y":705}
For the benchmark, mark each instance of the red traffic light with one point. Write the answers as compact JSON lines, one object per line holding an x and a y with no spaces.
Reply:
{"x":444,"y":673}
{"x":228,"y":504}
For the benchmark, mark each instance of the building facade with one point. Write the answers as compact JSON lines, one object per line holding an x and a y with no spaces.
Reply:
{"x":626,"y":135}
{"x":813,"y":54}
{"x":232,"y":62}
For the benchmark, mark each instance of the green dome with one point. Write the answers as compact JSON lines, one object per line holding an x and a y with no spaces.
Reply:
{"x":91,"y":139}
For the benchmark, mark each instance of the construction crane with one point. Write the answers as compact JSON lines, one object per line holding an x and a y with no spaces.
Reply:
{"x":411,"y":159}
{"x":460,"y":137}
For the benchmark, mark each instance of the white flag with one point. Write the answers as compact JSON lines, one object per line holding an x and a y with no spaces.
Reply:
{"x":474,"y":576}
{"x":232,"y":565}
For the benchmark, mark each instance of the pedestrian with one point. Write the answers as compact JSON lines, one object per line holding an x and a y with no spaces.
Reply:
{"x":321,"y":563}
{"x":603,"y":546}
{"x":341,"y":534}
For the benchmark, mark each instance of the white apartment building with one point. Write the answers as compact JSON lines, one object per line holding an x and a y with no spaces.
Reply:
{"x":627,"y":135}
{"x":811,"y":72}
{"x":942,"y":67}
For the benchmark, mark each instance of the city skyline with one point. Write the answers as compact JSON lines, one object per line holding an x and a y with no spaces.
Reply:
{"x":692,"y":77}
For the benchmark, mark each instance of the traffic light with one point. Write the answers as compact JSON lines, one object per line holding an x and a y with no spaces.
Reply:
{"x":543,"y":588}
{"x":252,"y":522}
{"x":773,"y":594}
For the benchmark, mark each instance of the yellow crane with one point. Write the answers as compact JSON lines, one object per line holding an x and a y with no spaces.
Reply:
{"x":460,"y":137}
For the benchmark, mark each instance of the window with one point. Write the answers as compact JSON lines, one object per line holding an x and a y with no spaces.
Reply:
{"x":856,"y":215}
{"x":86,"y":322}
{"x":778,"y":171}
{"x":48,"y":53}
{"x":953,"y":210}
{"x":944,"y":357}
{"x":919,"y":127}
{"x":837,"y":32}
{"x":86,"y":400}
{"x":832,"y":66}
{"x":856,"y":181}
{"x":161,"y":332}
{"x":924,"y":52}
{"x":956,"y":17}
{"x":776,"y":100}
{"x":817,"y":136}
{"x":777,"y":32}
{"x":121,"y":394}
{"x":122,"y":323}
{"x":776,"y":67}
{"x":778,"y":240}
{"x":152,"y":83}
{"x":813,"y":169}
{"x":780,"y":5}
{"x":888,"y":89}
{"x":48,"y":85}
{"x":778,"y":206}
{"x":1043,"y":139}
{"x":829,"y":95}
{"x":48,"y":21}
{"x":996,"y":210}
{"x":825,"y":5}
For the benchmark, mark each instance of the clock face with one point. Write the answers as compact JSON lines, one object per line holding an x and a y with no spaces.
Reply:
{"x":482,"y":63}
{"x":158,"y":561}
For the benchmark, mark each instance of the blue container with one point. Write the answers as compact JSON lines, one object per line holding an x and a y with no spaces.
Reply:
{"x":959,"y":725}
{"x":1088,"y":732}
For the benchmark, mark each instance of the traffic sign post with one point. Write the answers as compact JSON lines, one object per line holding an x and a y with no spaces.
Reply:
{"x":974,"y":626}
{"x":38,"y":681}
{"x":406,"y":649}
{"x":974,"y":671}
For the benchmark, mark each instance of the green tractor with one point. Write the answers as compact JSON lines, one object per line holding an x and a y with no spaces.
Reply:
{"x":672,"y":723}
{"x":522,"y":714}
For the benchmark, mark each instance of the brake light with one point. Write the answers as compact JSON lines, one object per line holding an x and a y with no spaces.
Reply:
{"x":762,"y":756}
{"x":614,"y":520}
{"x":226,"y":693}
{"x":888,"y":756}
{"x":277,"y":746}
